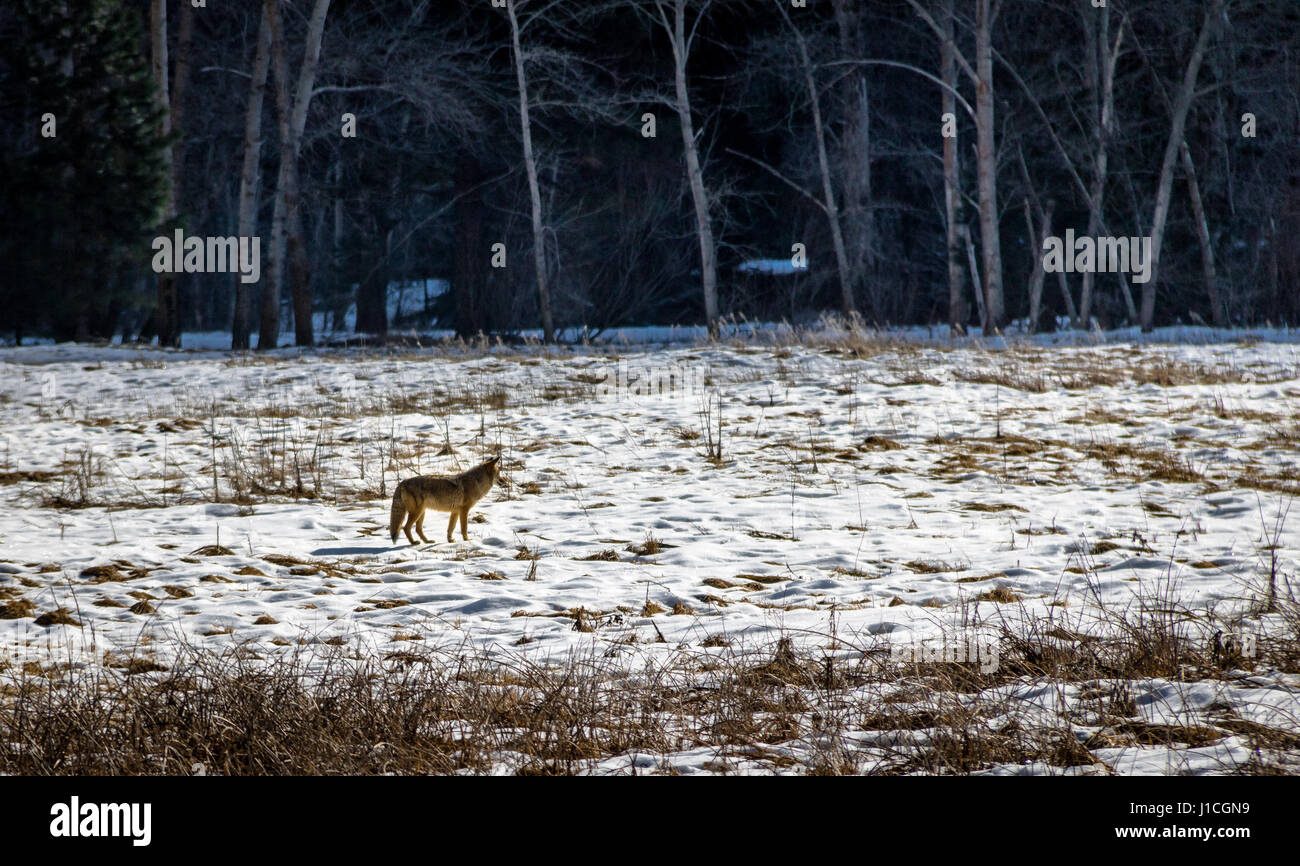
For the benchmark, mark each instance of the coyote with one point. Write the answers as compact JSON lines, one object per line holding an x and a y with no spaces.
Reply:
{"x":454,"y":493}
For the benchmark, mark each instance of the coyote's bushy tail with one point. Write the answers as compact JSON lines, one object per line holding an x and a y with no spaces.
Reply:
{"x":396,"y":513}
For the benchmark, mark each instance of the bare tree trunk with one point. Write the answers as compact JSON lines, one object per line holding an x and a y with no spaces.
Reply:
{"x":1036,"y":278}
{"x":1218,"y":315}
{"x":676,"y":32}
{"x":1127,"y":294}
{"x":299,"y":272}
{"x":534,"y":193}
{"x":964,"y":232}
{"x":1120,"y":277}
{"x":1067,"y":297}
{"x":179,"y":80}
{"x":285,"y":218}
{"x":167,"y":317}
{"x":829,"y":205}
{"x":1182,"y":103}
{"x":988,"y":169}
{"x":981,"y":76}
{"x":1101,"y":66}
{"x":1037,"y":240}
{"x":269,"y":333}
{"x":300,"y":277}
{"x":847,"y":306}
{"x":856,"y":216}
{"x":249,"y":177}
{"x":952,"y":181}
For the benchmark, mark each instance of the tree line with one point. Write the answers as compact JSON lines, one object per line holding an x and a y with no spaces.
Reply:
{"x":562,"y":164}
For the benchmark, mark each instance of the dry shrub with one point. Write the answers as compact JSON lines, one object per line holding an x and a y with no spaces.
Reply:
{"x":18,"y":608}
{"x":432,"y":710}
{"x":59,"y":616}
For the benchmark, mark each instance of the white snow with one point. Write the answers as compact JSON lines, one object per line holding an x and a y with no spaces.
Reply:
{"x":804,"y":528}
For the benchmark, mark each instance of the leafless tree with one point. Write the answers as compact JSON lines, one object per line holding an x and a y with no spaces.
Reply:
{"x":250,"y":174}
{"x":1182,"y":102}
{"x":672,"y":17}
{"x":1099,"y":72}
{"x":292,"y":117}
{"x":853,"y":163}
{"x":952,"y":175}
{"x":530,"y":164}
{"x":167,"y":311}
{"x":1218,"y":313}
{"x":981,"y":77}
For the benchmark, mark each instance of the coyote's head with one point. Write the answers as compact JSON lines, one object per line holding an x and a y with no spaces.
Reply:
{"x":493,"y":465}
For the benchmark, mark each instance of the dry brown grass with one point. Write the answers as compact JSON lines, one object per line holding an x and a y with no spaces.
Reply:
{"x":934,"y":566}
{"x":649,"y":547}
{"x":18,"y":608}
{"x":323,"y":710}
{"x":606,"y":555}
{"x":1017,"y":377}
{"x":59,"y":616}
{"x":1000,"y":595}
{"x":37,"y":476}
{"x":1169,"y":372}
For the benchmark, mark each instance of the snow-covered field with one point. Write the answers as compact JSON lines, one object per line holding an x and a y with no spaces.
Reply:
{"x":852,"y":502}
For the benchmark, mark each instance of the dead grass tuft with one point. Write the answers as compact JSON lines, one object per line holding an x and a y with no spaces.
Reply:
{"x":18,"y":608}
{"x":213,"y":550}
{"x":606,"y":555}
{"x":60,"y":616}
{"x":933,"y":566}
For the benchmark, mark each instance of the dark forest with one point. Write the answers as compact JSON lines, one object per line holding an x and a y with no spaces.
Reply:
{"x":569,"y":167}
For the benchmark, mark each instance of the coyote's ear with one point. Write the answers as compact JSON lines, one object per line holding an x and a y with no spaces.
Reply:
{"x":495,"y":458}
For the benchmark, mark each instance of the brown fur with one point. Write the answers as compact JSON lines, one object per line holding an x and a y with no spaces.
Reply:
{"x":454,"y":493}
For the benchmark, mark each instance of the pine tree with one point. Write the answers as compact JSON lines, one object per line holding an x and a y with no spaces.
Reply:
{"x":80,"y":206}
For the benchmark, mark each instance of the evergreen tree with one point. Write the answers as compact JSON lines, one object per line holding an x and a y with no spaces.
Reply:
{"x":80,"y":205}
